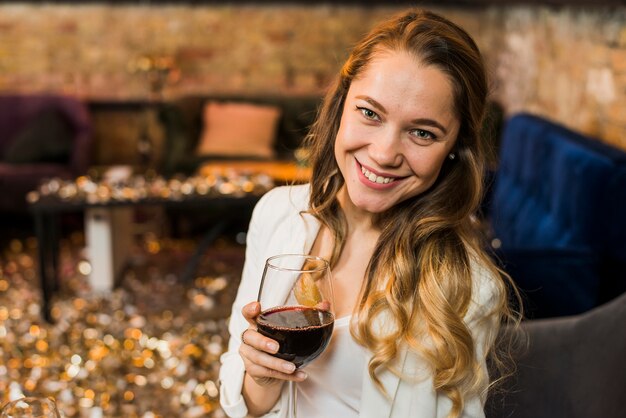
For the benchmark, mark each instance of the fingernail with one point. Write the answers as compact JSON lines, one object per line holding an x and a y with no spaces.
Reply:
{"x":301,"y":375}
{"x":290,"y":367}
{"x":272,"y":346}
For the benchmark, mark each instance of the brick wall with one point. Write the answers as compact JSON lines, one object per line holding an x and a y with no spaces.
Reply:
{"x":568,"y":64}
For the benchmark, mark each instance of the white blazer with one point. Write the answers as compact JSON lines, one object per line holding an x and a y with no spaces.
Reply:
{"x":278,"y":227}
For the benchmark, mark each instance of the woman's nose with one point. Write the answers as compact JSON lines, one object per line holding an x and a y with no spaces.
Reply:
{"x":385,"y":150}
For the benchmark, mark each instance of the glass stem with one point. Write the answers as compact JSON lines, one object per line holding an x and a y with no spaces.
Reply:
{"x":291,"y":404}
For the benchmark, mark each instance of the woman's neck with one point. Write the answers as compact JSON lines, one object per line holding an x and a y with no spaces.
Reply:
{"x":357,"y":219}
{"x":350,"y":268}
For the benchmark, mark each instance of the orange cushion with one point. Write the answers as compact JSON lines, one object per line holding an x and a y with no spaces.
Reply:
{"x":238,"y":129}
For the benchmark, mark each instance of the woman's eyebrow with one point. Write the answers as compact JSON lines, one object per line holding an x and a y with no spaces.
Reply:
{"x":430,"y":122}
{"x":373,"y":103}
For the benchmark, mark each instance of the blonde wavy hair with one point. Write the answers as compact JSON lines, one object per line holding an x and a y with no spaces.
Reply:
{"x":420,"y":275}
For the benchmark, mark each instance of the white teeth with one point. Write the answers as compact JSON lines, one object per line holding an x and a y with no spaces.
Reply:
{"x":374,"y":178}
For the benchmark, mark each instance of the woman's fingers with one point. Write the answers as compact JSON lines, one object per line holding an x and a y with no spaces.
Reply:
{"x":266,"y":360}
{"x":258,"y":341}
{"x":251,"y":336}
{"x":260,"y":365}
{"x":257,"y":352}
{"x":263,"y":375}
{"x":251,"y":311}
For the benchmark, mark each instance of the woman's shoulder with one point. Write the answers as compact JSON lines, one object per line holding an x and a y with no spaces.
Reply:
{"x":296,"y":193}
{"x":282,"y":200}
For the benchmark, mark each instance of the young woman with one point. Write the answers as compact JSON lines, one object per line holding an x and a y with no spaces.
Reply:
{"x":397,"y":173}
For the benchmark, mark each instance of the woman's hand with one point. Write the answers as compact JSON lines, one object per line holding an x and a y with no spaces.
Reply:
{"x":257,"y":352}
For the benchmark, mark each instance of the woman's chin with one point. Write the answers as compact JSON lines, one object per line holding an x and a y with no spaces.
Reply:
{"x":372,"y":207}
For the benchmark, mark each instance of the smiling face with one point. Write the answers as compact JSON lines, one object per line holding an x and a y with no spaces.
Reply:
{"x":397,"y":128}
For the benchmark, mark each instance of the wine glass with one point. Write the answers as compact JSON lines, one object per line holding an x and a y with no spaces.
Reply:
{"x":297,"y":309}
{"x":30,"y":407}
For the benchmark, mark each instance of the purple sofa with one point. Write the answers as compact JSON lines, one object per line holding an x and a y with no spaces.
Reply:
{"x":41,"y":136}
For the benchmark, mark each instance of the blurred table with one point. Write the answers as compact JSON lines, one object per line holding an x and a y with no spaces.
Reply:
{"x":108,"y":208}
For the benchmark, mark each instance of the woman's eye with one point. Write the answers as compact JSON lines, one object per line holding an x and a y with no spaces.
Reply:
{"x":423,"y":135}
{"x":368,"y":113}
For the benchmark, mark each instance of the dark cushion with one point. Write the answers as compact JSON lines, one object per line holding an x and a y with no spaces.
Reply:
{"x":46,"y":138}
{"x":573,"y":367}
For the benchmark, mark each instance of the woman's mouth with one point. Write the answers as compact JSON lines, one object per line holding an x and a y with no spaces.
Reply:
{"x":375,"y":178}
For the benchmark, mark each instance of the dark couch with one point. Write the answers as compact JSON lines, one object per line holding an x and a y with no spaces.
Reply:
{"x":557,"y":210}
{"x":572,"y":367}
{"x":183,"y":123}
{"x":41,"y":136}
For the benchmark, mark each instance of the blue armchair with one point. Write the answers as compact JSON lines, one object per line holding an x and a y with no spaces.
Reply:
{"x":558,"y":214}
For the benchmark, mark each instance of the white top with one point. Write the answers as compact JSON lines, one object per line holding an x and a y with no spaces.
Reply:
{"x":278,"y":226}
{"x":333,"y":388}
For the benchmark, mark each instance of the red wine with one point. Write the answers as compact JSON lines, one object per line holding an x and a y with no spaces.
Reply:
{"x":302,"y":333}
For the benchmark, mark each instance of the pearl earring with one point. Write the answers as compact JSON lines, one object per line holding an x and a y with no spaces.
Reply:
{"x":452,"y":156}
